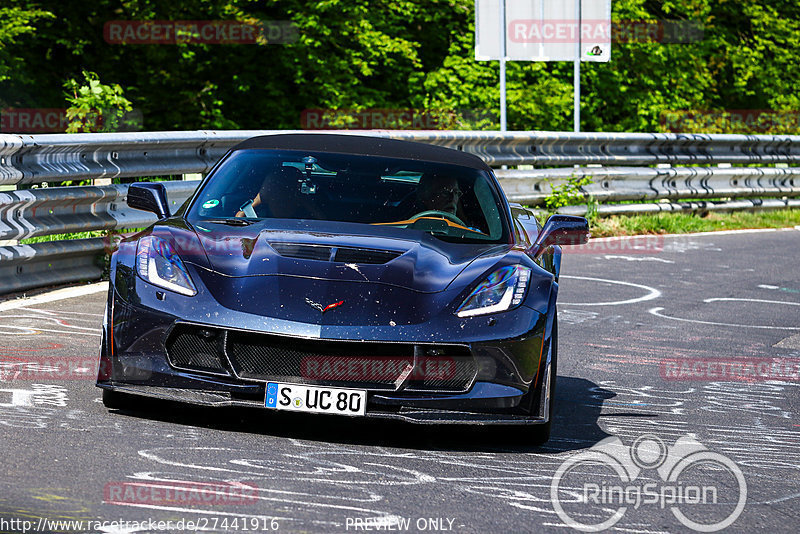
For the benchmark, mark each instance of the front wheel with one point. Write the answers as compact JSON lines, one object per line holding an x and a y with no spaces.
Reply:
{"x":116,"y":400}
{"x":540,"y":434}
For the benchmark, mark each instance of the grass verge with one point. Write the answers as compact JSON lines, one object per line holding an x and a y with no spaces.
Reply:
{"x":59,"y":237}
{"x":682,"y":223}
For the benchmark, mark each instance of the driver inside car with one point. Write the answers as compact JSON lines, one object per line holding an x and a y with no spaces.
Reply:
{"x":438,"y":192}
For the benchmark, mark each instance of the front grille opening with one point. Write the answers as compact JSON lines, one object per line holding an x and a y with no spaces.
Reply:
{"x":266,"y":357}
{"x":196,"y":348}
{"x":380,"y":366}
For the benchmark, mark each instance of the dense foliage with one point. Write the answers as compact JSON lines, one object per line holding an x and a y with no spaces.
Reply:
{"x":402,"y":55}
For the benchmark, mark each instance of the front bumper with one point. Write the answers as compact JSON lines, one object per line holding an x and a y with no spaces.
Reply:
{"x":510,"y":385}
{"x":430,"y":416}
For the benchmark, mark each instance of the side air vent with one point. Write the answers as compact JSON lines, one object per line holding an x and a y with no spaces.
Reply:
{"x":338,"y":254}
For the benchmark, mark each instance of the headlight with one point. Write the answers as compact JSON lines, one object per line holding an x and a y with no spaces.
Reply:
{"x":157,"y":262}
{"x":502,"y":290}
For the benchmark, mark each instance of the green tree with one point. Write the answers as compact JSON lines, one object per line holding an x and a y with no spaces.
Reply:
{"x":95,"y":107}
{"x":416,"y":54}
{"x":14,"y":23}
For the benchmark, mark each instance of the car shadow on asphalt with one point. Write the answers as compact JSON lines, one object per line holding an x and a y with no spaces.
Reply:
{"x":579,"y":403}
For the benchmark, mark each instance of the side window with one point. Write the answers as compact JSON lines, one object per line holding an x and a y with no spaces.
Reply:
{"x":489,"y":208}
{"x":520,"y":233}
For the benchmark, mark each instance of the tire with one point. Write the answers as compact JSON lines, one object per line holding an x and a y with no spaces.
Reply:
{"x":116,"y":400}
{"x":540,"y":434}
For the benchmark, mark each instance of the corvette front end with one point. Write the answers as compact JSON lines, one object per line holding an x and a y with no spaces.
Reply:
{"x":340,"y":275}
{"x":425,"y":368}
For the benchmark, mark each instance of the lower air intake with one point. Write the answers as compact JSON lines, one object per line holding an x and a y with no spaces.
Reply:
{"x":196,"y":349}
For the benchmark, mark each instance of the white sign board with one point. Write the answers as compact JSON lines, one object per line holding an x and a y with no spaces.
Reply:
{"x":543,"y":30}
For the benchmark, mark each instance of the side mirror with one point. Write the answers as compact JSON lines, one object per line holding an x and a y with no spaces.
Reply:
{"x":561,"y":230}
{"x":149,"y":196}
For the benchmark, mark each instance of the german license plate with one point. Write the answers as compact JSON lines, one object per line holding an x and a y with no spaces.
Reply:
{"x":317,"y":399}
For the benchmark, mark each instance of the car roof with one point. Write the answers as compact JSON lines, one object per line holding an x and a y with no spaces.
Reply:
{"x":364,"y":145}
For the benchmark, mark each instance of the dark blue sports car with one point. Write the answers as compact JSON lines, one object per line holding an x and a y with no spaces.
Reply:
{"x":343,"y":275}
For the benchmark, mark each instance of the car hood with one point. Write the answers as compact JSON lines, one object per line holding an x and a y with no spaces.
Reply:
{"x":413,"y":261}
{"x":253,"y":270}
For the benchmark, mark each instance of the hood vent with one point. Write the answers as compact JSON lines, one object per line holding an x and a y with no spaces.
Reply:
{"x":365,"y":255}
{"x":302,"y":252}
{"x":337,"y":254}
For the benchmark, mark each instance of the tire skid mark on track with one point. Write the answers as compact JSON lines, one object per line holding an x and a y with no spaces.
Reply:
{"x":269,"y":470}
{"x":92,"y":318}
{"x":36,"y":323}
{"x":55,"y":320}
{"x":652,"y":293}
{"x":41,"y":416}
{"x":512,"y":477}
{"x":732,"y":299}
{"x":658,"y":313}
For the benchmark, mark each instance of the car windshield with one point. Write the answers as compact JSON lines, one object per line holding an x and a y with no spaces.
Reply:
{"x":451,"y":202}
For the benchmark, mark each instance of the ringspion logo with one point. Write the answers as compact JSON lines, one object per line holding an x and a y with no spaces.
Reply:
{"x":595,"y":489}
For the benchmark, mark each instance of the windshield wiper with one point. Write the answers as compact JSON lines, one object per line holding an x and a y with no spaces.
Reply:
{"x":231,"y":222}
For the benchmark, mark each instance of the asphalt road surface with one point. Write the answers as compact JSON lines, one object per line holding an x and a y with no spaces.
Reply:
{"x":650,"y":341}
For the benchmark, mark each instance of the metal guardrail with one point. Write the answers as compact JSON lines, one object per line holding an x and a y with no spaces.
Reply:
{"x":614,"y":184}
{"x":28,"y":159}
{"x":695,"y":206}
{"x":60,"y":210}
{"x":44,"y":264}
{"x":622,"y":167}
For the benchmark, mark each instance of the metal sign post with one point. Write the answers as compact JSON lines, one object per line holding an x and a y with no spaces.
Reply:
{"x":576,"y":82}
{"x":543,"y":30}
{"x":503,"y":39}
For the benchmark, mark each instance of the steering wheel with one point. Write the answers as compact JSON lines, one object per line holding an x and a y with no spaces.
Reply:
{"x":444,"y":214}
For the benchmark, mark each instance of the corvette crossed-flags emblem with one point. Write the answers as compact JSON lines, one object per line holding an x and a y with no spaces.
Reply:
{"x":321,"y":308}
